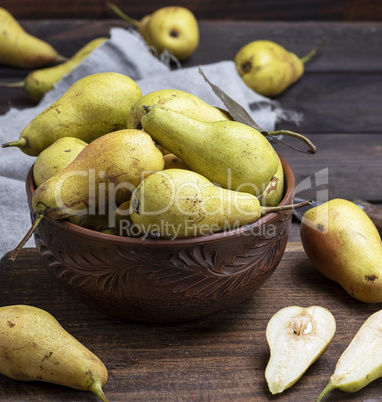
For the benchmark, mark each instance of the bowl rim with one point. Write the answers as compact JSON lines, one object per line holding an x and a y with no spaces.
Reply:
{"x":290,"y":184}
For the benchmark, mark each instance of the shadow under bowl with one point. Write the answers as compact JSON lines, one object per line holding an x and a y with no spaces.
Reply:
{"x":158,"y":280}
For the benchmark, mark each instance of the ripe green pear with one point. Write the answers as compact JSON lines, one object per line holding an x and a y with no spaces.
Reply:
{"x":171,"y":28}
{"x":178,"y":203}
{"x":344,"y":245}
{"x":103,"y":175}
{"x":180,"y":101}
{"x":35,"y":347}
{"x":37,"y":83}
{"x":361,"y":362}
{"x":22,"y":50}
{"x":56,"y":158}
{"x":297,"y":337}
{"x":93,"y":106}
{"x":274,"y":192}
{"x":228,"y":153}
{"x":268,"y":68}
{"x":171,"y":161}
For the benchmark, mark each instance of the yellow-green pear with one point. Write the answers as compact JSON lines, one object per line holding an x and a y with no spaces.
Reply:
{"x":35,"y":347}
{"x":297,"y":337}
{"x":104,"y":174}
{"x":171,"y":28}
{"x":344,"y":245}
{"x":56,"y":157}
{"x":361,"y":362}
{"x":37,"y":83}
{"x":228,"y":153}
{"x":268,"y":68}
{"x":274,"y":192}
{"x":180,"y":101}
{"x":93,"y":106}
{"x":20,"y":49}
{"x":178,"y":203}
{"x":97,"y":222}
{"x":172,"y":161}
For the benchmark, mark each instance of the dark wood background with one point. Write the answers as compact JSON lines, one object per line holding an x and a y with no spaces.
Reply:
{"x":263,"y":10}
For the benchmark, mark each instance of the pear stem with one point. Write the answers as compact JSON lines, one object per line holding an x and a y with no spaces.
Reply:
{"x":312,"y":148}
{"x":122,"y":15}
{"x":26,"y":237}
{"x":19,"y":84}
{"x":327,"y":389}
{"x":267,"y":210}
{"x":22,"y":142}
{"x":313,"y":52}
{"x":96,"y":388}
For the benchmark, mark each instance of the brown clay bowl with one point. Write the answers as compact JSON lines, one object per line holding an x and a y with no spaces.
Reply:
{"x":159,"y":280}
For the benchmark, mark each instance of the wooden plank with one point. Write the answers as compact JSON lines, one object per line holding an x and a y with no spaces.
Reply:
{"x":292,"y":10}
{"x":216,"y":358}
{"x":346,"y":166}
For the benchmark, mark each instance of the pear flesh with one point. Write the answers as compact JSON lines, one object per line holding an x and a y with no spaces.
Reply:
{"x":344,"y":245}
{"x":56,"y":158}
{"x":361,"y":362}
{"x":180,"y":101}
{"x":103,"y":175}
{"x":228,"y":153}
{"x":93,"y":106}
{"x":22,"y":50}
{"x":297,"y":337}
{"x":177,"y":203}
{"x":35,"y":347}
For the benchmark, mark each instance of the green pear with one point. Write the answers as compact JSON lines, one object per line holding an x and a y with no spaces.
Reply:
{"x":228,"y":153}
{"x":56,"y":157}
{"x":35,"y":347}
{"x":361,"y":362}
{"x":297,"y":337}
{"x":344,"y":245}
{"x":104,"y":174}
{"x":37,"y":83}
{"x":172,"y":28}
{"x":274,"y":192}
{"x":178,"y":203}
{"x":93,"y":106}
{"x":268,"y":68}
{"x":171,"y":161}
{"x":97,"y":222}
{"x":180,"y":101}
{"x":22,"y":50}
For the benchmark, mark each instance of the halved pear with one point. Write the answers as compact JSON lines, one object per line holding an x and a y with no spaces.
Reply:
{"x":297,"y":337}
{"x":361,"y":362}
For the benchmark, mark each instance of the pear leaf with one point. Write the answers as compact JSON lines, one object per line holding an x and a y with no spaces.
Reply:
{"x":240,"y":115}
{"x":235,"y":110}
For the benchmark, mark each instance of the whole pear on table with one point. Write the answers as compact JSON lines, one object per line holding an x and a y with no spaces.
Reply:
{"x":171,"y":28}
{"x":20,"y":49}
{"x":228,"y":153}
{"x":37,"y":83}
{"x":344,"y":245}
{"x":268,"y":68}
{"x":35,"y":347}
{"x":93,"y":106}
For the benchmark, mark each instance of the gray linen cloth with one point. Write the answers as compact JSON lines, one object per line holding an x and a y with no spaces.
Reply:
{"x":125,"y":52}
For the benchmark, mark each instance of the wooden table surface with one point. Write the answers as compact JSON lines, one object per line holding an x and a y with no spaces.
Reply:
{"x":224,"y":356}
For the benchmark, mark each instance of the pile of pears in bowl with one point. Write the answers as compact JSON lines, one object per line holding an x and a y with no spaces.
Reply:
{"x":155,"y":208}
